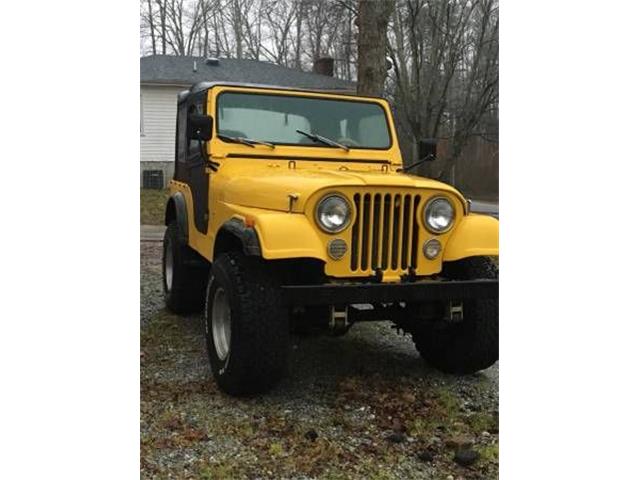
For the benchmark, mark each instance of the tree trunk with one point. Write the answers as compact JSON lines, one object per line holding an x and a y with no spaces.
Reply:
{"x":205,"y":25}
{"x":237,"y":28}
{"x":373,"y":19}
{"x":152,"y":27}
{"x":163,"y":24}
{"x":347,"y":47}
{"x":298,"y":47}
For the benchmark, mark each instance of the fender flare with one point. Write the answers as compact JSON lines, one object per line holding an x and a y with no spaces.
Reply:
{"x":246,"y":235}
{"x":476,"y":235}
{"x":177,"y":208}
{"x":276,"y":235}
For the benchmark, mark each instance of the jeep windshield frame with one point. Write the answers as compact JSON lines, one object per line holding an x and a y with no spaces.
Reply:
{"x":275,"y":117}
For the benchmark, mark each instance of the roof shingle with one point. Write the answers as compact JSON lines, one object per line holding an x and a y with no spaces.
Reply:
{"x":170,"y":69}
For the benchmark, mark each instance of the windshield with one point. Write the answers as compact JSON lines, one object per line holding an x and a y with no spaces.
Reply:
{"x":276,"y":119}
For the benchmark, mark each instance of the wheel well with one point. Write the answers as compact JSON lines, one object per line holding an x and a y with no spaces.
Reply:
{"x":226,"y":242}
{"x":291,"y":271}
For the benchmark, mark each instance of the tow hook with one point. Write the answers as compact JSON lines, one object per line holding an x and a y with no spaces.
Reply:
{"x":454,"y":312}
{"x":339,"y":321}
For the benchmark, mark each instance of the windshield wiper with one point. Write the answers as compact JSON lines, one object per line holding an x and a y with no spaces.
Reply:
{"x":319,"y":138}
{"x":246,"y":141}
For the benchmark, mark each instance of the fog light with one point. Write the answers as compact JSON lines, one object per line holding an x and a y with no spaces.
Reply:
{"x":337,"y":248}
{"x":431,"y":248}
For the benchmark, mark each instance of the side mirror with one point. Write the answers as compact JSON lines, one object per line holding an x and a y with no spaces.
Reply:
{"x":199,"y":127}
{"x":427,"y":149}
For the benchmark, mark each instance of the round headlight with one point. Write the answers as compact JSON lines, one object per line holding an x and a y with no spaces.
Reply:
{"x":333,"y":213}
{"x":438,"y":215}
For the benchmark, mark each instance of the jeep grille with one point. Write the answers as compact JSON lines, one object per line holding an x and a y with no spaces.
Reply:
{"x":385,"y":232}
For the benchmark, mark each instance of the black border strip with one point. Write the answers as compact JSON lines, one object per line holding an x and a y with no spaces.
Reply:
{"x":199,"y":86}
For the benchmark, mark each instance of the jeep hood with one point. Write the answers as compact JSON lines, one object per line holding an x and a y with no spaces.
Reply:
{"x":271,"y":189}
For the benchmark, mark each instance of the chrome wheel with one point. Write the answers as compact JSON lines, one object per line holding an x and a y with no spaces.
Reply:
{"x":221,"y":323}
{"x":168,"y":266}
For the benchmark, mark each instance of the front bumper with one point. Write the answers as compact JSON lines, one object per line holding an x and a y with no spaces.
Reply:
{"x":409,"y":292}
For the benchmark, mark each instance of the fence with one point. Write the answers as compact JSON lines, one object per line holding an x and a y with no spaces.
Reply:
{"x":474,"y":173}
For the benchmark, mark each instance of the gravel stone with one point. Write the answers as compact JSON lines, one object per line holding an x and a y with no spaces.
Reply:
{"x":466,"y":457}
{"x":396,"y":437}
{"x":425,"y":456}
{"x":311,"y":435}
{"x":458,"y":442}
{"x":189,"y":429}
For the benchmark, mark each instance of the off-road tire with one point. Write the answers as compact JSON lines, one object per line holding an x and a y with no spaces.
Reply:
{"x":472,"y":344}
{"x":259,"y":333}
{"x":189,"y":278}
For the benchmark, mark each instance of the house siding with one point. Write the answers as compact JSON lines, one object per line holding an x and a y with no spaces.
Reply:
{"x":157,"y":128}
{"x":157,"y":140}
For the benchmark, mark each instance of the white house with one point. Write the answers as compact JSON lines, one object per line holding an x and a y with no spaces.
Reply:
{"x":162,"y":77}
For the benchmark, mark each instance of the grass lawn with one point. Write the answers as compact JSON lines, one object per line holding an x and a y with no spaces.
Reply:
{"x":152,"y":204}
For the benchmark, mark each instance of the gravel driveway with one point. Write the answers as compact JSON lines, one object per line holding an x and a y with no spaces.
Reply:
{"x":359,"y":406}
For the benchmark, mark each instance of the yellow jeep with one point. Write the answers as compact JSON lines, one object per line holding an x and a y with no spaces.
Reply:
{"x":291,"y":210}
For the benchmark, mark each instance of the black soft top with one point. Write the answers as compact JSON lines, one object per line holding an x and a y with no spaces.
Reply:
{"x":202,"y":86}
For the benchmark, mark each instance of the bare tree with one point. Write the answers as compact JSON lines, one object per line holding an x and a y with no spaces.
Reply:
{"x":297,"y":51}
{"x":149,"y":17}
{"x":281,"y":19}
{"x":323,"y":20}
{"x":444,"y":53}
{"x":445,"y":62}
{"x":162,"y":10}
{"x":237,"y":25}
{"x":287,"y":32}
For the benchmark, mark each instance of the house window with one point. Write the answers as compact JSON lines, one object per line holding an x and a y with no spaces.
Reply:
{"x":141,"y":117}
